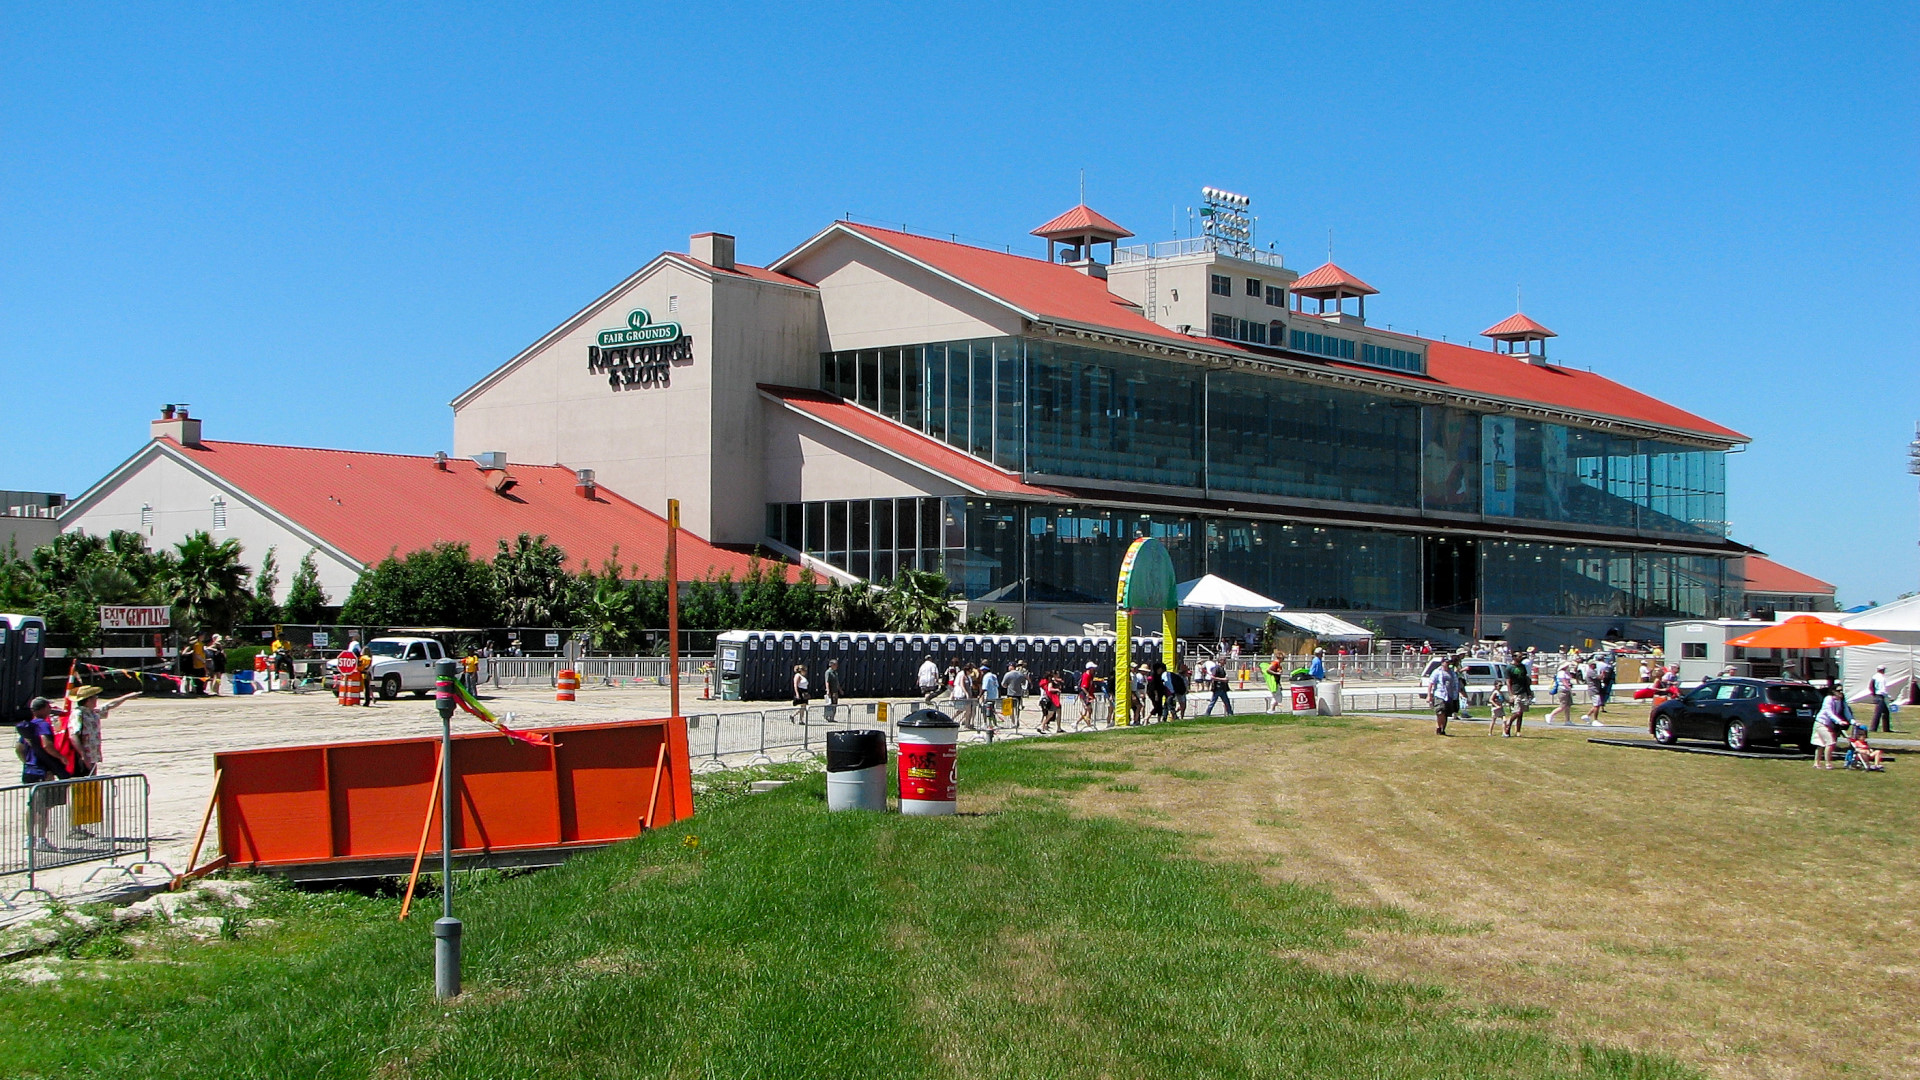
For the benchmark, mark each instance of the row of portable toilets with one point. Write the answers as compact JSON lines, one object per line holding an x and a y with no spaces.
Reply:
{"x":758,"y":665}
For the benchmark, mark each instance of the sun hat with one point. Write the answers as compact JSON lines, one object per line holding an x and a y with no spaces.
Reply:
{"x":85,"y":692}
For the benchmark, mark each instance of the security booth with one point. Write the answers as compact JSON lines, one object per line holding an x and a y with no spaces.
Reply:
{"x":23,"y":660}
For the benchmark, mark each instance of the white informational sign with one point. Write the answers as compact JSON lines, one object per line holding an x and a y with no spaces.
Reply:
{"x":135,"y":617}
{"x":321,"y":639}
{"x":553,"y":641}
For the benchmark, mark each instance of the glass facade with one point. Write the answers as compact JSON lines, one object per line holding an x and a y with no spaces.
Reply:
{"x":992,"y":549}
{"x":1056,"y":408}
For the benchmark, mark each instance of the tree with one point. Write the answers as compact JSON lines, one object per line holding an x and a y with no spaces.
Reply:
{"x":266,"y":581}
{"x":916,"y":603}
{"x":437,"y":586}
{"x":987,"y":621}
{"x":531,"y":581}
{"x":304,"y":595}
{"x":207,"y":583}
{"x":852,"y":606}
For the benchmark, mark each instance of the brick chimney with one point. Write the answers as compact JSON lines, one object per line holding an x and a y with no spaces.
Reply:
{"x":175,"y":424}
{"x":713,"y":248}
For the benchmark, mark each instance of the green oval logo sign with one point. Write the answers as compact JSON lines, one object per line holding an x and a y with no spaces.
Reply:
{"x":639,"y":318}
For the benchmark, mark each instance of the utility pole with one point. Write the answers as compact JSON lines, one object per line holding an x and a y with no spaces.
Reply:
{"x":673,"y":604}
{"x":446,"y":929}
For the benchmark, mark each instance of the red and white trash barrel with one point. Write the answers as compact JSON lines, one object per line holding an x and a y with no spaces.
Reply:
{"x":1303,"y":696}
{"x":928,"y":746}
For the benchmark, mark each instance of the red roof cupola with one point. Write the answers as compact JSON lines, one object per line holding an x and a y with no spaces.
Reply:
{"x":1330,"y":282}
{"x":1517,"y":329}
{"x":1079,"y":229}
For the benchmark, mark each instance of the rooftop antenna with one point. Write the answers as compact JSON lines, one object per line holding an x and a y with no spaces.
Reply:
{"x":1329,"y":245}
{"x":1516,"y":297}
{"x":1083,"y":187}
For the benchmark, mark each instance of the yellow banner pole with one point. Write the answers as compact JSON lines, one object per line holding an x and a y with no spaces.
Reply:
{"x":1169,"y":621}
{"x":1122,"y":667}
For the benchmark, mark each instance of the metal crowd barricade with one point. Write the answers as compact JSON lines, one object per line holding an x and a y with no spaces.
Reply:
{"x":67,"y":822}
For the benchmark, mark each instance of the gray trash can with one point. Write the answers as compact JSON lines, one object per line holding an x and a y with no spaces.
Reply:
{"x":857,"y":770}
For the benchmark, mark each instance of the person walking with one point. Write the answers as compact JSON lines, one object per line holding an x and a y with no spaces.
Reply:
{"x":1827,"y":728}
{"x":1218,"y":683}
{"x":1276,"y":674}
{"x":1562,"y":696}
{"x":1444,"y":686}
{"x":1088,"y":678}
{"x":1877,"y":691}
{"x":1014,"y":687}
{"x":1177,"y":690}
{"x":799,"y":687}
{"x":40,"y":763}
{"x":1520,"y":695}
{"x":1157,"y":691}
{"x":1597,"y":689}
{"x":963,"y":691}
{"x":1048,"y":689}
{"x":470,"y":672}
{"x":929,"y":681}
{"x":990,"y":696}
{"x":830,"y":689}
{"x":1317,"y":670}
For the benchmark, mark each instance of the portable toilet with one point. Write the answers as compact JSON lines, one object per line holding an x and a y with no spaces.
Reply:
{"x":23,"y":658}
{"x":856,"y":665}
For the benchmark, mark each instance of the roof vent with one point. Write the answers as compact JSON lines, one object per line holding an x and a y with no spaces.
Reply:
{"x":583,"y":484}
{"x":440,"y":460}
{"x":492,"y":460}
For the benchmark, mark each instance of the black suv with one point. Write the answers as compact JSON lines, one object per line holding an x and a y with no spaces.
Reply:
{"x":1740,"y":713}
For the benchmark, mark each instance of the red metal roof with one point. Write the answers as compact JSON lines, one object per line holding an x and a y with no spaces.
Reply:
{"x":1515,"y":327}
{"x":1060,"y":292}
{"x":1329,"y":279}
{"x":1766,"y":576}
{"x":370,"y":505}
{"x":1033,"y":285}
{"x":758,"y":273}
{"x":898,"y":439}
{"x":1082,"y":220}
{"x":1481,"y":371}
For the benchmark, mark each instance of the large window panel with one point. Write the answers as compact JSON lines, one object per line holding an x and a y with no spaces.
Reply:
{"x":1450,"y":460}
{"x":1110,"y":416}
{"x":1009,"y":392}
{"x":1279,"y":437}
{"x":959,"y":378}
{"x":936,"y":356}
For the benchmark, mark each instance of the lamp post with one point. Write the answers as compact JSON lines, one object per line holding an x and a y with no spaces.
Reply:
{"x":446,"y":929}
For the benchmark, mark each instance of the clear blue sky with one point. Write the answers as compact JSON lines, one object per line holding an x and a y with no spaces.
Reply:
{"x":318,"y":224}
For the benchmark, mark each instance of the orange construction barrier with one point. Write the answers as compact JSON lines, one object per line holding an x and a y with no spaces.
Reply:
{"x":565,"y":683}
{"x":349,"y":682}
{"x":354,"y":809}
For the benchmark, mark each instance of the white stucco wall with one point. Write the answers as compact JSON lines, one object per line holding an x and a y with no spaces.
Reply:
{"x":806,"y":461}
{"x":872,"y":299}
{"x":182,"y":502}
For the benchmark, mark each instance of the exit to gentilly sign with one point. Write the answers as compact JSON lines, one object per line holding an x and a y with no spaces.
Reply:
{"x":157,"y":617}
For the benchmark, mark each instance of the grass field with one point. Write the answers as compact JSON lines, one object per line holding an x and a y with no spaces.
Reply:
{"x":1321,"y":898}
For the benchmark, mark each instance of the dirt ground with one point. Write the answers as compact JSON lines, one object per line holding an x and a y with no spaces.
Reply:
{"x":1755,"y":918}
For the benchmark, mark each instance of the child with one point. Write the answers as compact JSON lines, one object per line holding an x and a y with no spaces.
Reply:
{"x":1862,"y":756}
{"x":1497,"y":725}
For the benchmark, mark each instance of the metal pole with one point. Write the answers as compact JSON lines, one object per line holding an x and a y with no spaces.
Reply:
{"x":446,"y":929}
{"x":673,"y":604}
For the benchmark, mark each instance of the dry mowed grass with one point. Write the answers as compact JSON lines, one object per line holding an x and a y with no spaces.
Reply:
{"x":1754,"y":918}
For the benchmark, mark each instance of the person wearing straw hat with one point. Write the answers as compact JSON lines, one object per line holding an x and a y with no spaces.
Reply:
{"x":84,"y":728}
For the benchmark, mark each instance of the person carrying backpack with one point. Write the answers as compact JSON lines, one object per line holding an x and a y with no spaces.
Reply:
{"x":40,"y":762}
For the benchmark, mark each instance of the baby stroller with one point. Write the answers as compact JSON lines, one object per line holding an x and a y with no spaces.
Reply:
{"x":1861,"y":755}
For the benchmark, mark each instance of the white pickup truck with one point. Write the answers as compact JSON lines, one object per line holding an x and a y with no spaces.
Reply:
{"x":401,"y":663}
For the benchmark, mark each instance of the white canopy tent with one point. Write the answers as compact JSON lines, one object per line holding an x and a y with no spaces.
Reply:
{"x":1324,"y":626}
{"x":1899,"y":623}
{"x":1215,"y":593}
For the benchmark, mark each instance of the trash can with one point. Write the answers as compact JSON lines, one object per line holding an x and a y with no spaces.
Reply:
{"x":929,"y":743}
{"x":730,"y":687}
{"x":857,"y":770}
{"x":1329,"y":695}
{"x":243,"y":681}
{"x":1304,"y":698}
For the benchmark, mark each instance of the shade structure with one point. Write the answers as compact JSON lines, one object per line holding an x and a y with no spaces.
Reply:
{"x":1805,"y":632}
{"x":1218,"y":594}
{"x":1324,"y":626}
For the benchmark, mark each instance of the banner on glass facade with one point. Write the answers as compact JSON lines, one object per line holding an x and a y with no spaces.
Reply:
{"x":1496,"y":465}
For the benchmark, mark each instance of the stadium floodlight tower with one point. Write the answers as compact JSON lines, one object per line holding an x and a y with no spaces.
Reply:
{"x":1225,"y":223}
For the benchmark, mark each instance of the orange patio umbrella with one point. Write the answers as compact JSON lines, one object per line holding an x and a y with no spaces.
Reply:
{"x":1804,"y":632}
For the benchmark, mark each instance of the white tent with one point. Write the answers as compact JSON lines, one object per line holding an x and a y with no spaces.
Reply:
{"x":1215,"y":593}
{"x":1324,"y":626}
{"x":1899,"y":623}
{"x":1218,"y":594}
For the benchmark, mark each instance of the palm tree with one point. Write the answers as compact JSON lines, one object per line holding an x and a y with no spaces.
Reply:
{"x":207,"y":583}
{"x":533,"y":584}
{"x":916,"y":603}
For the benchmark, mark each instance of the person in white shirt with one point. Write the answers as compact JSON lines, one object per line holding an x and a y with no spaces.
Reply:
{"x":990,"y":697}
{"x":1877,"y":690}
{"x":929,"y":680}
{"x":1444,"y":687}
